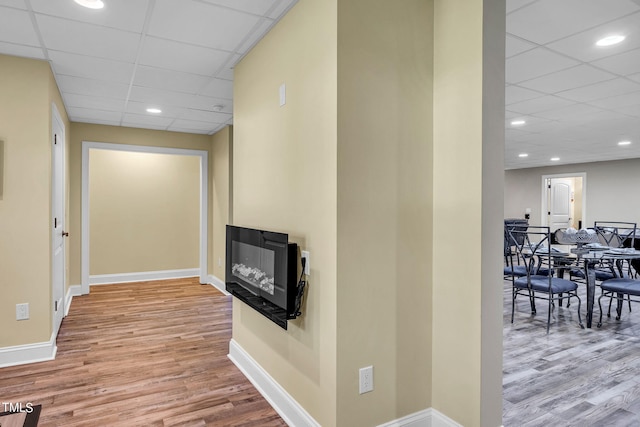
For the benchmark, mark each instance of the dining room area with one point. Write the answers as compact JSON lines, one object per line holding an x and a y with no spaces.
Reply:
{"x":571,"y":324}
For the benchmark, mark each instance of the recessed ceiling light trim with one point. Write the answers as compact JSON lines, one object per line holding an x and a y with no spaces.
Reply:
{"x":624,"y":143}
{"x":610,"y":40}
{"x":523,"y":155}
{"x":517,"y":122}
{"x":154,"y":110}
{"x":555,"y":159}
{"x":91,"y":4}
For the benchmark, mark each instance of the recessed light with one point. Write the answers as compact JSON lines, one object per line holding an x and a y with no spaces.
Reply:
{"x":555,"y":159}
{"x":523,"y":155}
{"x":610,"y":40}
{"x":91,"y":4}
{"x":154,"y":110}
{"x":624,"y":143}
{"x":517,"y":122}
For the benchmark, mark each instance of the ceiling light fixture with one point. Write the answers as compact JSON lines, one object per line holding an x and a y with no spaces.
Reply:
{"x":517,"y":122}
{"x":624,"y":143}
{"x":610,"y":40}
{"x":523,"y":155}
{"x":91,"y":4}
{"x":555,"y":159}
{"x":154,"y":110}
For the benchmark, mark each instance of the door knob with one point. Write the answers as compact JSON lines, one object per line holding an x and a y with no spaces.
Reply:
{"x":65,"y":234}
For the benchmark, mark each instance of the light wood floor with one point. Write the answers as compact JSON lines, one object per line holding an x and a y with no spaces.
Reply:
{"x":573,"y":376}
{"x":147,"y":354}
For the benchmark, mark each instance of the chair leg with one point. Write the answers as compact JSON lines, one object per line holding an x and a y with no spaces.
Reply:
{"x":549,"y":312}
{"x":579,"y":317}
{"x":600,"y":305}
{"x":513,"y":302}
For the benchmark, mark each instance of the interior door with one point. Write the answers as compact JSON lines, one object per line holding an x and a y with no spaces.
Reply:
{"x":57,"y":207}
{"x":559,"y":193}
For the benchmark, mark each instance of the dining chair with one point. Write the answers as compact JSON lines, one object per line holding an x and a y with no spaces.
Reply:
{"x":509,"y":244}
{"x":622,"y":289}
{"x":616,"y":234}
{"x":534,"y":252}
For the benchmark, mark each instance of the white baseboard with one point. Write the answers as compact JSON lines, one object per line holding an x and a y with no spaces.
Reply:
{"x":425,"y":418}
{"x":103,"y":279}
{"x":28,"y":353}
{"x":72,"y":291}
{"x":285,"y":405}
{"x":217,"y":283}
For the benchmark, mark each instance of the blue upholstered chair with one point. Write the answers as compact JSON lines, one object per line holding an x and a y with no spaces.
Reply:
{"x":532,"y":247}
{"x":622,"y":289}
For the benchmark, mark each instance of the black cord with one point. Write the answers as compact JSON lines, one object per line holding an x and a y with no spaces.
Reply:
{"x":301,"y":285}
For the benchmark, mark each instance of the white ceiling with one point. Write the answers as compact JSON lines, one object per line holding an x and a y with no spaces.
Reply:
{"x":578,"y":100}
{"x":114,"y":63}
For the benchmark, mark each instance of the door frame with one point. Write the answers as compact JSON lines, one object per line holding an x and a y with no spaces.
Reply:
{"x":55,"y":117}
{"x":87,"y":146}
{"x":544,"y":207}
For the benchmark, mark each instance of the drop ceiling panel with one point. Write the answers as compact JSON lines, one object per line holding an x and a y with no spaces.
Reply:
{"x":91,"y":114}
{"x":514,"y":46}
{"x":226,"y":72}
{"x":205,"y":116}
{"x":16,"y":27}
{"x":20,"y":4}
{"x":90,"y":67}
{"x":92,"y":87}
{"x":601,"y":90}
{"x":181,"y":57}
{"x":119,"y":14}
{"x":201,"y":24}
{"x":568,"y":112}
{"x":85,"y":39}
{"x":623,"y":64}
{"x":613,"y":102}
{"x":548,"y":20}
{"x":92,"y":102}
{"x":161,"y":97}
{"x":544,"y":103}
{"x":583,"y":46}
{"x":141,"y":120}
{"x":250,"y":6}
{"x":191,"y":125}
{"x":535,"y":63}
{"x":168,"y":111}
{"x":569,"y":78}
{"x":176,"y":81}
{"x":219,"y":88}
{"x":21,"y":50}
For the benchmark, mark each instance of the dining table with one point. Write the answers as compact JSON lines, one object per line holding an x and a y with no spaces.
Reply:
{"x":589,"y":258}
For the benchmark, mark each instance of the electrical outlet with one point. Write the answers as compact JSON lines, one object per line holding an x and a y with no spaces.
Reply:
{"x":22,"y":311}
{"x":219,"y":261}
{"x":307,"y":267}
{"x":366,"y":379}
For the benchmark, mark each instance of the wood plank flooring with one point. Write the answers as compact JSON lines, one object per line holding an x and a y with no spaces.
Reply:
{"x":573,"y":376}
{"x":142,"y":354}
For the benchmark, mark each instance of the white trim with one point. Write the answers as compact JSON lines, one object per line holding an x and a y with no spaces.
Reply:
{"x":28,"y":353}
{"x":103,"y":279}
{"x":204,"y":200}
{"x":544,"y":218}
{"x":426,"y":418}
{"x":55,"y":117}
{"x":218,"y":284}
{"x":291,"y":411}
{"x":72,"y":291}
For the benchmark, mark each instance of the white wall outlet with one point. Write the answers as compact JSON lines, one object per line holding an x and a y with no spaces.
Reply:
{"x":307,"y":266}
{"x":219,"y":261}
{"x":366,"y":379}
{"x":283,"y":94}
{"x":22,"y":311}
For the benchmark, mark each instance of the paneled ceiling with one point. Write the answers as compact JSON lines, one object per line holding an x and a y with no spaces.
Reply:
{"x":114,"y":63}
{"x":577,"y":100}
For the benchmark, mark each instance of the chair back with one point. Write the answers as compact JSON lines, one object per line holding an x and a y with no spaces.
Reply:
{"x":513,"y":224}
{"x":532,"y":247}
{"x":616,"y":234}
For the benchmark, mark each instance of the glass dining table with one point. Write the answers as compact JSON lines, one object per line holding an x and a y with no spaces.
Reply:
{"x":588,"y":259}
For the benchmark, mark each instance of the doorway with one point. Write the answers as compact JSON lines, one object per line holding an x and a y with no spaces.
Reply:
{"x":564,"y":201}
{"x":58,"y":220}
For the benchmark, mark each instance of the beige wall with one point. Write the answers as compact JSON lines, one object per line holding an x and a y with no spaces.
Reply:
{"x":144,"y":212}
{"x":393,"y":193}
{"x":468,"y":144}
{"x":384,"y":196}
{"x":222,"y":156}
{"x":27,"y":90}
{"x":284,"y":179}
{"x":609,"y":190}
{"x":117,"y":135}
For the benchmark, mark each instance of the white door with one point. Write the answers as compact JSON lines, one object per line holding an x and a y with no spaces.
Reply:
{"x":559,"y":193}
{"x":57,"y":208}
